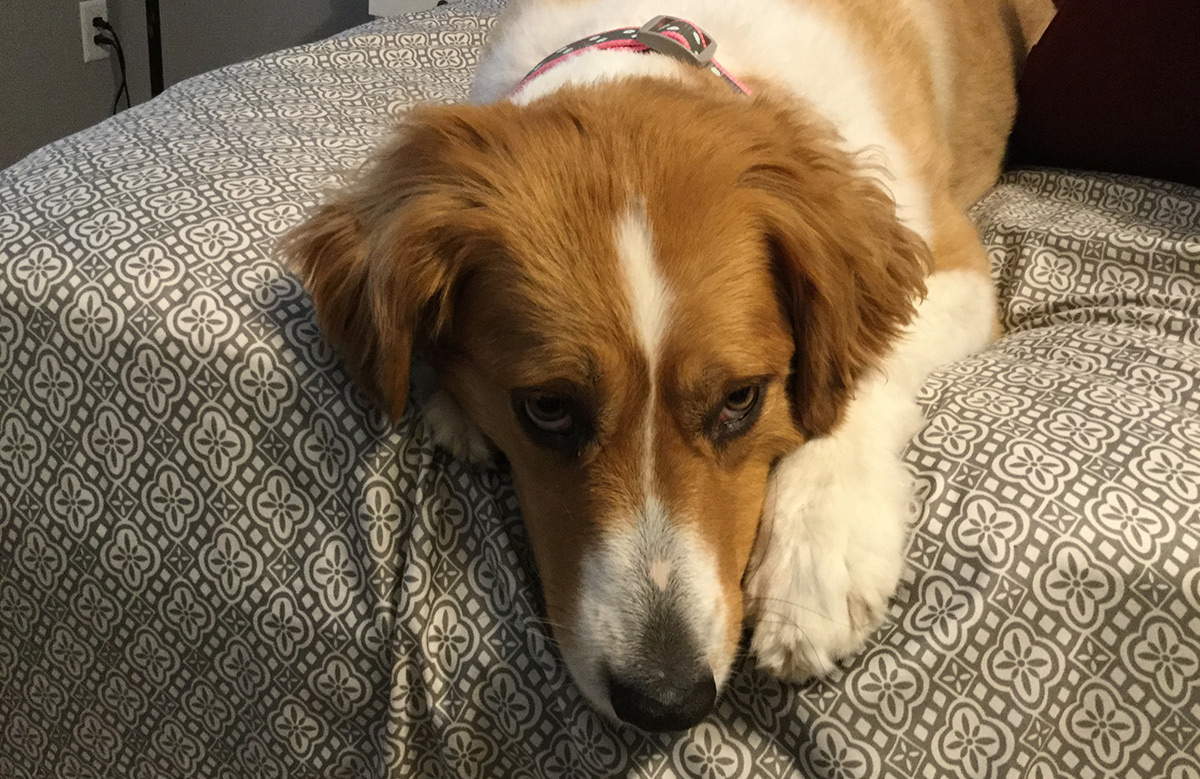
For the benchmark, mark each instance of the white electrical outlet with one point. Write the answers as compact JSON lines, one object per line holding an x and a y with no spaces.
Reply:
{"x":89,"y":10}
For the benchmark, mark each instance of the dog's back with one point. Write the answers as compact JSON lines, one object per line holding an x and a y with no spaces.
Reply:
{"x":941,"y":72}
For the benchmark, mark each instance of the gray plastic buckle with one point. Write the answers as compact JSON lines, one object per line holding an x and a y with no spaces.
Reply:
{"x":649,"y":36}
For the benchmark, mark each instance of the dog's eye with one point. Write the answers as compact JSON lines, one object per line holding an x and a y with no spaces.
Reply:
{"x":553,"y":420}
{"x":549,"y":413}
{"x":738,"y":405}
{"x":736,"y":414}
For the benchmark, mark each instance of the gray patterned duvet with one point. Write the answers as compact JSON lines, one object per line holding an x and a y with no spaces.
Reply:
{"x":216,"y":560}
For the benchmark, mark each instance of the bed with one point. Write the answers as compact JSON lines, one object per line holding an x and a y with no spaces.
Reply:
{"x":217,"y":559}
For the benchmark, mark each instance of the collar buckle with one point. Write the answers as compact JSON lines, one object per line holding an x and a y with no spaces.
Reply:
{"x":650,"y":35}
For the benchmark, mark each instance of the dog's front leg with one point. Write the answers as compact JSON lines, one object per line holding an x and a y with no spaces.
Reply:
{"x":831,"y":543}
{"x":830,"y":549}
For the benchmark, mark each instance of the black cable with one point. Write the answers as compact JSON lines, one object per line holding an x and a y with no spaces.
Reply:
{"x":154,"y":47}
{"x":114,"y":42}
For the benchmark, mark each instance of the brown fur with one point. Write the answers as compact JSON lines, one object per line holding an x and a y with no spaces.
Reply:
{"x":850,"y":268}
{"x":379,"y":258}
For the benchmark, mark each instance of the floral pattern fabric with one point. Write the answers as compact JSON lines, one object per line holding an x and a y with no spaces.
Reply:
{"x":216,"y":559}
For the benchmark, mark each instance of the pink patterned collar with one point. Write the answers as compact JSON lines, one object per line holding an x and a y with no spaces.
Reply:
{"x":669,"y":35}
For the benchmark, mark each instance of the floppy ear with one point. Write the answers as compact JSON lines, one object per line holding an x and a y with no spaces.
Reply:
{"x":848,"y":271}
{"x":381,"y":256}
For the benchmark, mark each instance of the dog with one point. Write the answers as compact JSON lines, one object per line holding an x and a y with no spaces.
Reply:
{"x":687,"y":274}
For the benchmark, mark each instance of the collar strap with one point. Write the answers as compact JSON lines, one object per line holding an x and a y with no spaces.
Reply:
{"x":677,"y":38}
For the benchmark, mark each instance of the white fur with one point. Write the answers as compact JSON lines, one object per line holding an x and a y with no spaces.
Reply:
{"x":448,"y":424}
{"x":659,"y":571}
{"x":649,"y":298}
{"x":789,"y":43}
{"x":452,"y":430}
{"x":709,"y":612}
{"x":832,"y":540}
{"x":608,"y":575}
{"x":650,"y":304}
{"x":590,"y":67}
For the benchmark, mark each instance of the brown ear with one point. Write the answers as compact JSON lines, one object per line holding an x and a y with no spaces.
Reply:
{"x":849,"y":272}
{"x":381,"y":256}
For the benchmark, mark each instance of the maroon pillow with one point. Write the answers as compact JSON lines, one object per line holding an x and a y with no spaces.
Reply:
{"x":1114,"y":85}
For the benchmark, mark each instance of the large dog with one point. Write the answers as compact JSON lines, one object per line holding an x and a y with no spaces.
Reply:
{"x":691,"y":299}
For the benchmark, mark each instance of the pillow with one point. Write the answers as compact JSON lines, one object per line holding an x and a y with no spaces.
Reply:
{"x":1114,"y":85}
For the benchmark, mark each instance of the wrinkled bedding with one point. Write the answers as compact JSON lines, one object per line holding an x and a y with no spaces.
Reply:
{"x":217,"y":559}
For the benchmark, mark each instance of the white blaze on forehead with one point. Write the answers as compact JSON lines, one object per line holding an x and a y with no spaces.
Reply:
{"x":649,"y":298}
{"x":650,"y":304}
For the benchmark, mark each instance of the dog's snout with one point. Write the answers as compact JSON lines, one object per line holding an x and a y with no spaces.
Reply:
{"x":653,"y":624}
{"x":672,"y":703}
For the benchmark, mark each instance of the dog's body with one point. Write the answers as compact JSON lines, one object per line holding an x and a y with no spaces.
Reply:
{"x":694,"y":320}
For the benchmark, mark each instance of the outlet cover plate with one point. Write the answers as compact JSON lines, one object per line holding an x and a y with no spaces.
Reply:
{"x":88,"y":10}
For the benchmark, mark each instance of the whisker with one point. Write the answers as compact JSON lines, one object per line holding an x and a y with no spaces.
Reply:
{"x":794,"y":606}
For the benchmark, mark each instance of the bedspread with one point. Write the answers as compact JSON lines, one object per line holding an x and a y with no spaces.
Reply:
{"x":216,"y":559}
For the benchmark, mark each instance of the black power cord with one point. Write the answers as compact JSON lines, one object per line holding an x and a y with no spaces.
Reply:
{"x":113,"y":42}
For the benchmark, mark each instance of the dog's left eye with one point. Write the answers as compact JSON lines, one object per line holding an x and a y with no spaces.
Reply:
{"x":738,"y":404}
{"x":737,"y":413}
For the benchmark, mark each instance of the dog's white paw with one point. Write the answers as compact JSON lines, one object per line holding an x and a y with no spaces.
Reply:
{"x":829,"y":554}
{"x":830,"y":551}
{"x":453,"y":431}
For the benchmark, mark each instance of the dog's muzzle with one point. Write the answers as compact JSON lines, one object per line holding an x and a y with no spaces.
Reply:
{"x":650,"y":624}
{"x":665,"y":683}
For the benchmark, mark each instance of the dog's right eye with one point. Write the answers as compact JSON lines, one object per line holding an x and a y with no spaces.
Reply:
{"x":553,"y":420}
{"x":549,"y":413}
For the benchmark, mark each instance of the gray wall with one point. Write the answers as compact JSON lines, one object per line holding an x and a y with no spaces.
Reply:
{"x":200,"y":36}
{"x":48,"y":92}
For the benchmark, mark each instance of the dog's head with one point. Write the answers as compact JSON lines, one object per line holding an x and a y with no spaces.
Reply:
{"x":644,"y":295}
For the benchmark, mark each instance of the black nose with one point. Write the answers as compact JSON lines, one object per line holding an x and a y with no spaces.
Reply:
{"x":671,"y":704}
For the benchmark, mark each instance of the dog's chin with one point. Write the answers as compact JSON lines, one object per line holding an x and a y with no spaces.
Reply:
{"x":587,"y":671}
